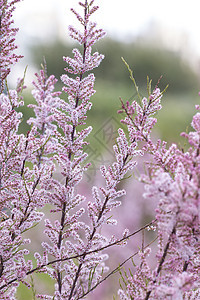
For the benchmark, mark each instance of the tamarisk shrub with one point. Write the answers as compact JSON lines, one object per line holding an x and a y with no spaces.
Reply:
{"x":74,"y":251}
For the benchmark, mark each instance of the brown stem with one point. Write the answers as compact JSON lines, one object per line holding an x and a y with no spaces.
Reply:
{"x":92,"y":236}
{"x":24,"y":161}
{"x":81,"y":255}
{"x":115,"y":270}
{"x":59,"y":280}
{"x":1,"y":266}
{"x":165,"y":252}
{"x":185,"y":266}
{"x":26,"y":214}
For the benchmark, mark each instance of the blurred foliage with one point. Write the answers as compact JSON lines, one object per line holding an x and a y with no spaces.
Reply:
{"x":174,"y":117}
{"x":149,"y":61}
{"x":112,"y":82}
{"x":144,"y":59}
{"x":42,"y":283}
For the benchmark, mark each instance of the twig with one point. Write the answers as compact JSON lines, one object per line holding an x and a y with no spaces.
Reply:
{"x":81,"y":255}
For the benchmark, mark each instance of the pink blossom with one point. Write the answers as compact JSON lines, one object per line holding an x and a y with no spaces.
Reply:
{"x":7,"y":36}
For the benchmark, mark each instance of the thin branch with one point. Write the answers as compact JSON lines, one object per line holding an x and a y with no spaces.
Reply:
{"x":116,"y":269}
{"x":165,"y":252}
{"x":83,"y":254}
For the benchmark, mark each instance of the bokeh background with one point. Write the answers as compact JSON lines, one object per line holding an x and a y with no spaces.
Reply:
{"x":156,"y":38}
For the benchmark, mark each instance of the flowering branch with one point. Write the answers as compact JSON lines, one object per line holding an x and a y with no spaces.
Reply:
{"x":116,"y":242}
{"x":118,"y":268}
{"x":7,"y":40}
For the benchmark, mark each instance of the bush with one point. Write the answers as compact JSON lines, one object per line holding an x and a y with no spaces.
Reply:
{"x":41,"y":171}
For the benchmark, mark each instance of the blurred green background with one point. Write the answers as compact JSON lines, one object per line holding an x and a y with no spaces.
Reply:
{"x":112,"y":81}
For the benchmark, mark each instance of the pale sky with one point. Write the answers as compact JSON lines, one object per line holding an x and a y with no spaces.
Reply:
{"x":123,"y":18}
{"x":39,"y":20}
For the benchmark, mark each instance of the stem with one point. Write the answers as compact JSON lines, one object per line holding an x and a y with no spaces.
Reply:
{"x":162,"y":260}
{"x":116,"y":270}
{"x":92,"y":235}
{"x":62,"y":223}
{"x":81,"y":255}
{"x":24,"y":161}
{"x":1,"y":266}
{"x":26,"y":214}
{"x":185,"y":266}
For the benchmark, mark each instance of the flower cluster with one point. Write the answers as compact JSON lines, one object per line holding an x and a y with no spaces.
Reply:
{"x":24,"y":167}
{"x":7,"y":40}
